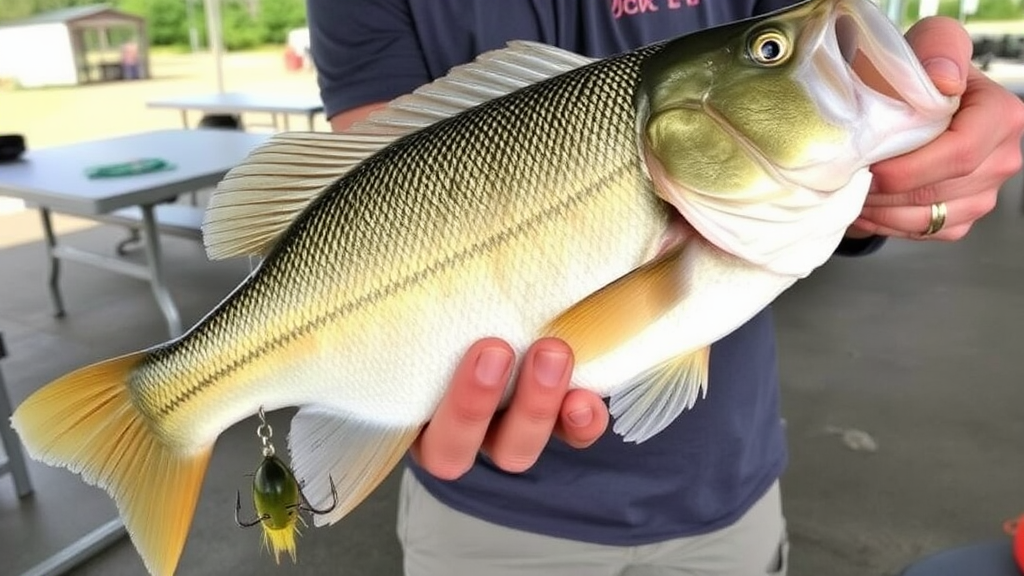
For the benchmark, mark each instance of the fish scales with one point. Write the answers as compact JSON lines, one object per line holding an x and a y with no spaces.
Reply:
{"x":640,"y":208}
{"x":423,"y":207}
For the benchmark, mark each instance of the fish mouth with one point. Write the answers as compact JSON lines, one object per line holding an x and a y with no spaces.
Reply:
{"x":876,"y":56}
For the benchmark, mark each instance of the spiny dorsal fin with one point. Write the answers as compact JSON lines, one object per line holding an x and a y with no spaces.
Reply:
{"x":654,"y":399}
{"x":257,"y":200}
{"x":491,"y":75}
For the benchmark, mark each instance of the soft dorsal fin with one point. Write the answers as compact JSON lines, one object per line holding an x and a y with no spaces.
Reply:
{"x":258,"y":199}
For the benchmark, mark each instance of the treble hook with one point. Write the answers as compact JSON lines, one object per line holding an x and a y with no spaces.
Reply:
{"x":238,"y":509}
{"x":277,"y":497}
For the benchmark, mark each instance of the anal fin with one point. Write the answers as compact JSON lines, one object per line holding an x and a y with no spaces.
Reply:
{"x":328,"y":445}
{"x":650,"y":402}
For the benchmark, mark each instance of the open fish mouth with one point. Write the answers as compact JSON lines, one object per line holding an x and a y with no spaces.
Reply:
{"x":860,"y":53}
{"x":877,"y":56}
{"x":788,"y":118}
{"x":881,"y":78}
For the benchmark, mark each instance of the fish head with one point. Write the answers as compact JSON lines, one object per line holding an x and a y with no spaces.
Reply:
{"x":760,"y":132}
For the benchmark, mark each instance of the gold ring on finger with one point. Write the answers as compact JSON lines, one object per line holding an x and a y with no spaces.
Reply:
{"x":938,"y":219}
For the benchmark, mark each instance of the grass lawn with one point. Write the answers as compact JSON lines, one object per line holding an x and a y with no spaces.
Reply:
{"x":59,"y":115}
{"x":995,"y":27}
{"x":64,"y":115}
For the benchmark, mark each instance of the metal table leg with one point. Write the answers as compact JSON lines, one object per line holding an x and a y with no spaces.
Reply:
{"x":51,"y":245}
{"x":79,"y":551}
{"x":156,"y":272}
{"x":152,"y":271}
{"x":15,"y":463}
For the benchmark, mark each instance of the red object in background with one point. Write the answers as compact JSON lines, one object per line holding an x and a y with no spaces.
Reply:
{"x":292,"y":59}
{"x":1015,"y":528}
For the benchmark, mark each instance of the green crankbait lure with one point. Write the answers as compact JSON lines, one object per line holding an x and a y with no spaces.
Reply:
{"x":277,"y":498}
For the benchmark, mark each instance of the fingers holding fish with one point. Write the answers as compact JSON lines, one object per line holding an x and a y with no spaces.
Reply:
{"x":962,"y":168}
{"x":980,"y":148}
{"x":938,"y":221}
{"x":466,"y":421}
{"x":939,"y":211}
{"x":944,"y":48}
{"x":583,"y":419}
{"x":450,"y":442}
{"x":520,"y":434}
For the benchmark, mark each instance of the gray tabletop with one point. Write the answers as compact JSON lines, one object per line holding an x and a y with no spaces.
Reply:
{"x":234,"y":102}
{"x":56,"y":177}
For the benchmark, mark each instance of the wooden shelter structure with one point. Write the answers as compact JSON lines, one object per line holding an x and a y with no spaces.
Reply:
{"x":74,"y":46}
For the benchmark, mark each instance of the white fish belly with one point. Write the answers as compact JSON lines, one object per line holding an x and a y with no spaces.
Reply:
{"x":723,"y":293}
{"x":391,"y":360}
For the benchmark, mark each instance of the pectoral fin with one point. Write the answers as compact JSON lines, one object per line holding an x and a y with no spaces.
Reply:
{"x":651,"y":401}
{"x":328,"y":445}
{"x":620,"y":310}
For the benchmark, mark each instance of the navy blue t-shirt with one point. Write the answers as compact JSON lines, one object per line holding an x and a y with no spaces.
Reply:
{"x":374,"y":50}
{"x":715,"y":461}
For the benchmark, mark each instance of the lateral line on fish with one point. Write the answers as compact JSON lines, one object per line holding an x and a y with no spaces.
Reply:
{"x":343,"y":308}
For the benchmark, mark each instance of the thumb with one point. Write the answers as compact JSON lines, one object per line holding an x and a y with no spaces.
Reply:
{"x":944,"y":49}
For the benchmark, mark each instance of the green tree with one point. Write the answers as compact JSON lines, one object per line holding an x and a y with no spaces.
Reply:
{"x":987,"y":9}
{"x":949,"y":8}
{"x":166,"y":21}
{"x":280,"y":16}
{"x":17,"y":9}
{"x":241,"y":29}
{"x":999,"y":10}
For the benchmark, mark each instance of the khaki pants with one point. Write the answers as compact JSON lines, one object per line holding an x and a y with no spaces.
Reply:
{"x":440,"y":541}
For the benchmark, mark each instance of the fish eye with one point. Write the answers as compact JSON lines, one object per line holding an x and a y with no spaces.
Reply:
{"x":769,"y":48}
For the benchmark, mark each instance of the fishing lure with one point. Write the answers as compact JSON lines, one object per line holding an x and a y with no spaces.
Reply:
{"x":277,"y":498}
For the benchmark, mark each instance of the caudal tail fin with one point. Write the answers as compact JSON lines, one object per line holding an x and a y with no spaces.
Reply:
{"x":86,"y":422}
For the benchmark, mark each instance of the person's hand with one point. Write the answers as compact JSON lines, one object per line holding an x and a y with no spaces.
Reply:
{"x":466,"y":421}
{"x":965,"y":166}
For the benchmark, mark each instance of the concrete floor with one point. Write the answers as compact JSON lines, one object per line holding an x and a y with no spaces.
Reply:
{"x":919,"y":346}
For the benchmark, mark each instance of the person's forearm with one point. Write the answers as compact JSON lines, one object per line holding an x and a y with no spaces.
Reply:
{"x":343,"y":120}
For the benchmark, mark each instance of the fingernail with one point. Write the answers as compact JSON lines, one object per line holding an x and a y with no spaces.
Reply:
{"x":942,"y":68}
{"x":581,"y":417}
{"x":549,"y":367}
{"x":492,"y":366}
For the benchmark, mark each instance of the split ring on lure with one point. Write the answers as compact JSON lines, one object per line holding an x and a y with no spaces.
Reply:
{"x":277,"y":498}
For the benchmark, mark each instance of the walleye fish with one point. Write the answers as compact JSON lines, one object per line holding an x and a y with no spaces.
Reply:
{"x":533,"y":192}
